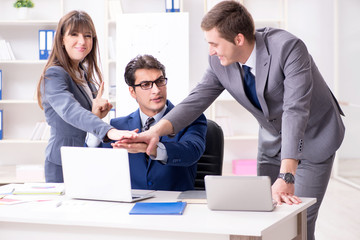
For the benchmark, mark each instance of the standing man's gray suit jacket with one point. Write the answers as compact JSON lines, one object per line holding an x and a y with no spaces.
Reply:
{"x":68,"y":111}
{"x":300,"y":117}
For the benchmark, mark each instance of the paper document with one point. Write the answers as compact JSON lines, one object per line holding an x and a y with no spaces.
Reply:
{"x":40,"y":188}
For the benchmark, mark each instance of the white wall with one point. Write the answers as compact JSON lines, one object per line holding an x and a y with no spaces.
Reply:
{"x":198,"y":46}
{"x":348,"y":75}
{"x":349,"y":50}
{"x":313,"y":22}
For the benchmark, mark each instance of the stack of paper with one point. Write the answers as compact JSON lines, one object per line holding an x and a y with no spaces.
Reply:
{"x":6,"y":193}
{"x":40,"y":188}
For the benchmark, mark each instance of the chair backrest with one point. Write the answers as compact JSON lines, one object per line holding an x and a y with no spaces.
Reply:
{"x":211,"y":161}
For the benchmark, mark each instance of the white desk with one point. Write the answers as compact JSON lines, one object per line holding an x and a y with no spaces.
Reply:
{"x":90,"y":220}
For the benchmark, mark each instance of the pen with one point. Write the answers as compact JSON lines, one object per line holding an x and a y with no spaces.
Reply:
{"x":58,"y":204}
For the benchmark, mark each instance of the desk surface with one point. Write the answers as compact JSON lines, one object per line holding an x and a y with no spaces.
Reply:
{"x":197,"y":218}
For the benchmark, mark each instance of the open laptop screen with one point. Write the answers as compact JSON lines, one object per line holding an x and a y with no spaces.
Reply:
{"x":244,"y":193}
{"x":97,"y":173}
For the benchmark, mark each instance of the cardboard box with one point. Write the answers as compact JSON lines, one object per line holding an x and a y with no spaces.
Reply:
{"x":244,"y":167}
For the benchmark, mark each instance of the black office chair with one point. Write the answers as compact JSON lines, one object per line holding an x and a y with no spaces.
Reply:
{"x":211,"y":161}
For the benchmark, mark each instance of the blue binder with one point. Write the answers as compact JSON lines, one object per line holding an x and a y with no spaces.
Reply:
{"x":49,"y":41}
{"x":172,"y":5}
{"x":46,"y":38}
{"x":42,"y":45}
{"x":1,"y":124}
{"x":158,"y":208}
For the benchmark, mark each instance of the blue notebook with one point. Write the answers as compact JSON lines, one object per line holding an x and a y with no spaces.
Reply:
{"x":158,"y":208}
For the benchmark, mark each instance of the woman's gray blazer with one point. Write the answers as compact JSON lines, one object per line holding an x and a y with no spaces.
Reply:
{"x":67,"y":110}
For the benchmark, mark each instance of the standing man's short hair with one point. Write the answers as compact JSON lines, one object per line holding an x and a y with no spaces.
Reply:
{"x":141,"y":62}
{"x":230,"y":18}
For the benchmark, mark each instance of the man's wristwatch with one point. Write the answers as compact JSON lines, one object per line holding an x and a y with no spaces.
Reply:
{"x":287,"y":177}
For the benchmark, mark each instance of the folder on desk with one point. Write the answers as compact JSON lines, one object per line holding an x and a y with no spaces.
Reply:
{"x":158,"y":208}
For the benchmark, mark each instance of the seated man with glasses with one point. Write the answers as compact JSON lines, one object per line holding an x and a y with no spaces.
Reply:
{"x":172,"y":164}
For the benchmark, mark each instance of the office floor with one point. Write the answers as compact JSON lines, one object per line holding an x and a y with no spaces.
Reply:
{"x":339,"y":213}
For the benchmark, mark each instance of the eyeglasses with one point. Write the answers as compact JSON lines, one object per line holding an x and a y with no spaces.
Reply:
{"x":145,"y":85}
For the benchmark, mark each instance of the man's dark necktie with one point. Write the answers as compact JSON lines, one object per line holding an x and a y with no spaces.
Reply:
{"x":249,"y":87}
{"x":146,"y":127}
{"x":148,"y":122}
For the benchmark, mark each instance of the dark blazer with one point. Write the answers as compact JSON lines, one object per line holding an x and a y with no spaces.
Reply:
{"x":183,"y":150}
{"x":300,"y":117}
{"x":67,"y":110}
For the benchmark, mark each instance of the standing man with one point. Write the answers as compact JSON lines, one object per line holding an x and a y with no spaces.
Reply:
{"x":271,"y":74}
{"x":172,"y":163}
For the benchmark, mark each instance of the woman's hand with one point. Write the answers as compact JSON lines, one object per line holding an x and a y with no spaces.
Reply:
{"x":115,"y":134}
{"x":101,"y":106}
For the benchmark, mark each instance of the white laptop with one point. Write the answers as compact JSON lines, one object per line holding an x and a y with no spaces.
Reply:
{"x":242,"y":193}
{"x":98,"y":174}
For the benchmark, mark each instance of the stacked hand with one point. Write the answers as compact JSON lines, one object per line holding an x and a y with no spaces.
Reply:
{"x":137,"y":144}
{"x":115,"y":134}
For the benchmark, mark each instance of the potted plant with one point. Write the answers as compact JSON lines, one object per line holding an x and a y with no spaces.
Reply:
{"x":23,"y":6}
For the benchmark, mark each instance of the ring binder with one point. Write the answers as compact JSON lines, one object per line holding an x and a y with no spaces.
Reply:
{"x":42,"y":45}
{"x":49,"y":41}
{"x":172,"y":5}
{"x":45,"y":43}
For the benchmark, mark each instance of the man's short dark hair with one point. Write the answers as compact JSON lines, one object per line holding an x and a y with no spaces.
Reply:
{"x":141,"y":62}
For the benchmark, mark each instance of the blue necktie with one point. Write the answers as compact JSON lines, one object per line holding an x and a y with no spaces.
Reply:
{"x":249,"y":87}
